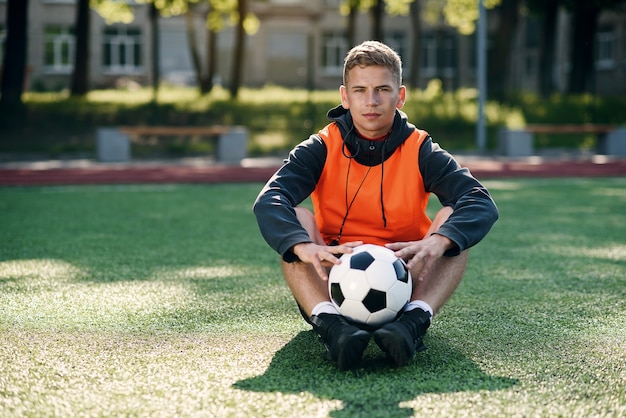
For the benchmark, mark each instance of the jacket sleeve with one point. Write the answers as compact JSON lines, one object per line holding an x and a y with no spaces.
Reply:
{"x":474,"y":211}
{"x":286,"y":189}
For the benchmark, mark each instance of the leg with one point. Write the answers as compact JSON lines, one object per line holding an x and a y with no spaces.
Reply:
{"x":306,"y":286}
{"x":445,"y":275}
{"x":345,"y":342}
{"x":400,"y":339}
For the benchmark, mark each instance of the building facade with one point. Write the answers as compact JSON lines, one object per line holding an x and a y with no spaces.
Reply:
{"x":299,"y":43}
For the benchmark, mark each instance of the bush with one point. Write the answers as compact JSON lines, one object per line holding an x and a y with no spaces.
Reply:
{"x":277,"y":118}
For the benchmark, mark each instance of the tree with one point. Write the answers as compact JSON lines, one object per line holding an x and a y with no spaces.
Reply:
{"x":153,"y":15}
{"x":351,"y":9}
{"x":203,"y":80}
{"x":79,"y":84}
{"x":215,"y":17}
{"x":219,"y":11}
{"x":14,"y":61}
{"x":463,"y":15}
{"x":416,"y":27}
{"x":585,"y":16}
{"x":499,"y":57}
{"x":548,"y":11}
{"x":377,"y":11}
{"x":238,"y":57}
{"x":112,"y":11}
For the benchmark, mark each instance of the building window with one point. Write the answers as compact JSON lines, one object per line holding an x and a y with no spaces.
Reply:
{"x":58,"y":49}
{"x":335,"y":47}
{"x":605,"y":49}
{"x":429,"y":56}
{"x":397,"y":41}
{"x":122,"y":50}
{"x":447,"y":61}
{"x":439,"y":55}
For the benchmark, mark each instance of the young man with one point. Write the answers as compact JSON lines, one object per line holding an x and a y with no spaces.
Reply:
{"x":369,"y":174}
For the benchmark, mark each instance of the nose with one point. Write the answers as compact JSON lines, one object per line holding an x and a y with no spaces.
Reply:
{"x":373,"y":98}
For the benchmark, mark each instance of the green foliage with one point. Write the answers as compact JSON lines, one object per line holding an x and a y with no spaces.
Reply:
{"x":460,"y":14}
{"x":163,"y":300}
{"x":571,"y":109}
{"x":278,"y":118}
{"x":113,"y":11}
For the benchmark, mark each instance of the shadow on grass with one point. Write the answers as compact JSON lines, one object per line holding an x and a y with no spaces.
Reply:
{"x":376,"y":388}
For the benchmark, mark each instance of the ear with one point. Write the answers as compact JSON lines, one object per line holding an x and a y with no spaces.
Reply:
{"x":344,"y":97}
{"x":401,"y":97}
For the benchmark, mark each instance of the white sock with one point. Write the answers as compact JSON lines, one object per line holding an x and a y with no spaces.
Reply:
{"x":325,"y":307}
{"x":419,"y":304}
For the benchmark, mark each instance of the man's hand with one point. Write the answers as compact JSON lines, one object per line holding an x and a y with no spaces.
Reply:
{"x":322,"y":257}
{"x":420,"y":255}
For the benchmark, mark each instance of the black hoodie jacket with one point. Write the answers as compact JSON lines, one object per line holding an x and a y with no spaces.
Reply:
{"x":474,"y":211}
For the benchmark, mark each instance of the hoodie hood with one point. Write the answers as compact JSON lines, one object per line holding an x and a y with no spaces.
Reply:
{"x":364,"y":151}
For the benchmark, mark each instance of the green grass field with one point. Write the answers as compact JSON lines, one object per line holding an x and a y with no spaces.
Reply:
{"x":163,"y":300}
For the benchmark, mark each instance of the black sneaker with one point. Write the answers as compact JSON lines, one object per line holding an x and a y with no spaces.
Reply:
{"x":345,"y":342}
{"x":403,"y":337}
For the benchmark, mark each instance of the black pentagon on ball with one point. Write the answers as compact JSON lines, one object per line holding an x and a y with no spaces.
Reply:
{"x":375,"y":300}
{"x":336,"y":294}
{"x":361,"y":261}
{"x":402,"y":273}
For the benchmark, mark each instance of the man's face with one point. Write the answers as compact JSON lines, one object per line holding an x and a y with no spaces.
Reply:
{"x":372,"y":96}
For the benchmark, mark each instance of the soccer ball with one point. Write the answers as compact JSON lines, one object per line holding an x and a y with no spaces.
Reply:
{"x":370,"y":286}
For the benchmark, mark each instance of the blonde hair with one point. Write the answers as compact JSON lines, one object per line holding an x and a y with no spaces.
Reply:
{"x":373,"y":53}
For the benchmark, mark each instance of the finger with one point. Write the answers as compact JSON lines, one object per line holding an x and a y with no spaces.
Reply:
{"x":416,"y":268}
{"x":425,"y":270}
{"x":416,"y":265}
{"x":331,"y":254}
{"x":343,"y":248}
{"x":352,"y":244}
{"x":397,"y":245}
{"x":321,"y":271}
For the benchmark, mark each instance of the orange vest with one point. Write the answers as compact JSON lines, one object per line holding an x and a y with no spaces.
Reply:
{"x":405,"y":199}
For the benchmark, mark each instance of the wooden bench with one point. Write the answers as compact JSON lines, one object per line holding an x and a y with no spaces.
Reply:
{"x":519,"y":142}
{"x":113,"y":144}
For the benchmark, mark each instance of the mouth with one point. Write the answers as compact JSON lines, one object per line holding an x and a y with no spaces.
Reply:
{"x":371,"y":116}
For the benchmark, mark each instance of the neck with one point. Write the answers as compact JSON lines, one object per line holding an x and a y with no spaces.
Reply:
{"x":379,"y":138}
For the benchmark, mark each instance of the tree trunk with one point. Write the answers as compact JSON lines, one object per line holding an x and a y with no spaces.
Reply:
{"x":416,"y":61}
{"x":584,"y":25}
{"x":500,"y":55}
{"x":193,"y":46}
{"x":351,"y":25}
{"x":376,"y":12}
{"x":156,"y":73}
{"x":547,"y":45}
{"x":240,"y":38}
{"x":207,"y":82}
{"x":14,"y":62}
{"x":80,"y":75}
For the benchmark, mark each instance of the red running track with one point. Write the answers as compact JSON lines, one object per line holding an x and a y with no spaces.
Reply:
{"x":25,"y":175}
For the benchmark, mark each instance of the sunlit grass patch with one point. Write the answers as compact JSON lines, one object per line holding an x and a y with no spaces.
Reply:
{"x":165,"y":301}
